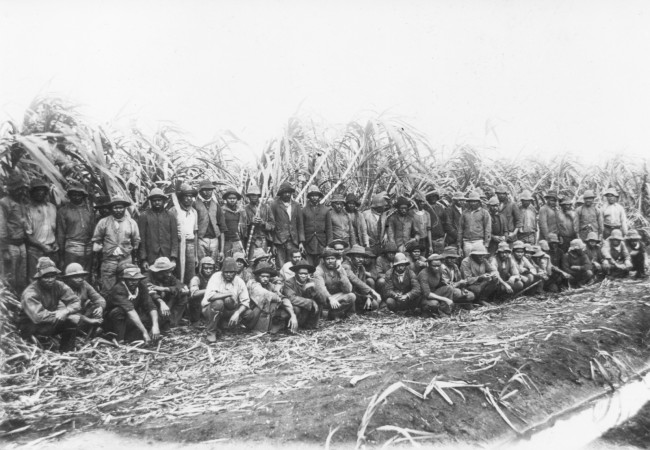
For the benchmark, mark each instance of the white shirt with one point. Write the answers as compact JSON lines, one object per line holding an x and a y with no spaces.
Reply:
{"x":187,"y":222}
{"x":237,"y":289}
{"x":288,"y":206}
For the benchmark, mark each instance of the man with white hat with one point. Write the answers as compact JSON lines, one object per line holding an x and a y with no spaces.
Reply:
{"x":211,"y":223}
{"x":588,"y":218}
{"x":158,"y":231}
{"x":614,"y":217}
{"x":173,"y":294}
{"x":259,"y":222}
{"x":49,"y":307}
{"x":576,"y":263}
{"x":403,"y":291}
{"x":616,"y":257}
{"x":92,"y":303}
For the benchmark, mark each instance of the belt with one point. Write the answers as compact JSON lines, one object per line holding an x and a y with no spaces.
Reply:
{"x":189,"y":240}
{"x":612,"y":227}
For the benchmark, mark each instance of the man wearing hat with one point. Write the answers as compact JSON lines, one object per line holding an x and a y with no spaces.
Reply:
{"x":226,"y":301}
{"x":14,"y":228}
{"x":115,"y":237}
{"x":637,"y":253}
{"x":289,"y":233}
{"x":452,"y":276}
{"x":499,"y":226}
{"x":376,"y":217}
{"x":528,"y":231}
{"x":75,"y":223}
{"x":555,"y":252}
{"x":436,"y":214}
{"x":616,"y":257}
{"x":475,"y":227}
{"x":576,"y":263}
{"x":451,"y":218}
{"x":614,"y":217}
{"x":132,"y":313}
{"x":437,"y":296}
{"x":401,"y":226}
{"x":273,"y":311}
{"x":172,"y":295}
{"x":285,"y":271}
{"x":552,"y":277}
{"x":482,"y":278}
{"x":402,"y":291}
{"x":549,"y":216}
{"x":333,"y":287}
{"x":414,"y":255}
{"x":422,"y":221}
{"x":235,"y":222}
{"x":41,"y":238}
{"x":525,"y":268}
{"x":595,"y":254}
{"x":187,"y":220}
{"x":301,"y":292}
{"x":508,"y":267}
{"x":197,"y":287}
{"x":211,"y":223}
{"x":384,"y":264}
{"x":259,"y":221}
{"x":49,"y":307}
{"x":243,"y":271}
{"x":338,"y":223}
{"x":357,"y":223}
{"x":102,"y":208}
{"x":510,"y":211}
{"x":158,"y":231}
{"x":92,"y":303}
{"x":366,"y":297}
{"x":314,"y":219}
{"x":588,"y":218}
{"x":566,"y":231}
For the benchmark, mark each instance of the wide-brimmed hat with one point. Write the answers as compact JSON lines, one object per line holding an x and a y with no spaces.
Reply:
{"x":390,"y":247}
{"x":501,"y":189}
{"x":229,"y":265}
{"x":413,"y":245}
{"x":44,"y":266}
{"x":345,"y":243}
{"x":206,"y":184}
{"x":544,"y":245}
{"x":400,"y":259}
{"x":38,"y":183}
{"x":503,"y":247}
{"x":539,"y":254}
{"x":479,"y":251}
{"x":458,"y":196}
{"x":265,"y":268}
{"x":580,"y":200}
{"x":450,"y":252}
{"x":378,"y":201}
{"x":518,"y":245}
{"x":356,"y":250}
{"x":402,"y":201}
{"x":302,"y":265}
{"x":258,"y":254}
{"x":286,"y":187}
{"x":253,"y":190}
{"x":370,"y":253}
{"x":186,"y":189}
{"x":229,"y":192}
{"x":592,"y":236}
{"x":526,"y":195}
{"x":161,"y":264}
{"x":74,"y":270}
{"x":632,"y":235}
{"x":132,"y":273}
{"x":75,"y":186}
{"x":552,"y":237}
{"x":102,"y":202}
{"x":314,"y":190}
{"x":241,"y":255}
{"x":589,"y":194}
{"x":610,"y":191}
{"x":329,"y":251}
{"x":156,"y":193}
{"x":616,"y":234}
{"x":474,"y":197}
{"x":577,"y":244}
{"x":551,"y":195}
{"x":118,"y":200}
{"x":528,"y":248}
{"x":435,"y":257}
{"x":337,"y":198}
{"x":351,"y":198}
{"x":207,"y":260}
{"x":493,"y":201}
{"x":566,"y":201}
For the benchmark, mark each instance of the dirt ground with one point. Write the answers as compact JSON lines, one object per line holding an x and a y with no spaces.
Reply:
{"x":528,"y":358}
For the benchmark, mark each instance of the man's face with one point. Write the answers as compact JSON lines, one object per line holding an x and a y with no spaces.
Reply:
{"x":474,"y":205}
{"x":76,"y":282}
{"x":390,"y":256}
{"x":433,"y":199}
{"x":614,"y":242}
{"x":416,"y":253}
{"x":207,"y":270}
{"x":519,"y":254}
{"x":435,"y":266}
{"x":503,"y":256}
{"x":165,"y":275}
{"x":205,"y":193}
{"x":240,"y":265}
{"x":264,"y":279}
{"x":338,"y":206}
{"x":494,"y":209}
{"x":186,"y":200}
{"x":76,"y":198}
{"x":254,"y":198}
{"x":552,"y":201}
{"x":38,"y":195}
{"x":450,"y":261}
{"x":157,"y":203}
{"x":296,"y":257}
{"x":261,"y":260}
{"x":104,"y":211}
{"x":351,"y":206}
{"x":479,"y":258}
{"x":577,"y":251}
{"x":553,"y":245}
{"x":502,"y":196}
{"x":566,"y":207}
{"x":610,"y":199}
{"x":457,"y":202}
{"x":47,"y":280}
{"x":420,"y":204}
{"x":231,"y":201}
{"x":118,"y":211}
{"x":330,"y":262}
{"x":403,"y":210}
{"x":589,"y":201}
{"x":592,"y":244}
{"x":302,"y":276}
{"x":358,"y":260}
{"x":131,"y":284}
{"x":339,"y":248}
{"x":400,"y":269}
{"x":229,"y":276}
{"x":314,"y":199}
{"x":526,"y":203}
{"x":286,"y":196}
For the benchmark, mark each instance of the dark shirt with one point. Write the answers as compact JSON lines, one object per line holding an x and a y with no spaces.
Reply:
{"x":233,"y":221}
{"x":409,"y":285}
{"x":570,"y":259}
{"x":158,"y":234}
{"x":118,"y":297}
{"x":74,"y":223}
{"x":210,"y":217}
{"x":429,"y":281}
{"x":14,"y":222}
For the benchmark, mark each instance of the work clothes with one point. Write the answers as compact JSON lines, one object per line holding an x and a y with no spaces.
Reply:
{"x":158,"y":235}
{"x":401,"y":229}
{"x":339,"y":227}
{"x":614,"y":218}
{"x":586,"y":220}
{"x":398,"y":285}
{"x":451,"y":223}
{"x":303,"y":299}
{"x":314,"y":219}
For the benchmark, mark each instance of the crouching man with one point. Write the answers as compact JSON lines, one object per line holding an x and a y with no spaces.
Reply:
{"x":616,"y":257}
{"x":198,"y":284}
{"x":226,"y":301}
{"x":172,"y":292}
{"x":301,"y":292}
{"x":333,"y":287}
{"x":272,"y":311}
{"x":482,"y":278}
{"x":132,"y":314}
{"x":437,"y":296}
{"x":403,"y":292}
{"x":576,"y":263}
{"x":92,"y":303}
{"x":636,"y":249}
{"x":367,"y":299}
{"x":49,"y":307}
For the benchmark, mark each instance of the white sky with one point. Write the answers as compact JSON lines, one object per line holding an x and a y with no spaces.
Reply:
{"x":548,"y":77}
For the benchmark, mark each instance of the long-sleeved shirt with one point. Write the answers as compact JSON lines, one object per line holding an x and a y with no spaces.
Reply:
{"x":570,"y":259}
{"x":314,"y":219}
{"x":88,"y":296}
{"x":524,"y":266}
{"x":383,"y":266}
{"x":586,"y":220}
{"x":14,"y":222}
{"x":429,"y":281}
{"x":234,"y":224}
{"x":358,"y":228}
{"x":436,"y":218}
{"x":115,"y":234}
{"x":397,"y":285}
{"x":301,"y":295}
{"x":158,"y":234}
{"x":339,"y":226}
{"x":74,"y":223}
{"x":210,"y":219}
{"x":328,"y":282}
{"x":375,"y":226}
{"x":120,"y":297}
{"x":549,"y":221}
{"x":357,"y":276}
{"x":187,"y":222}
{"x":528,"y":220}
{"x":451,"y":223}
{"x":475,"y":225}
{"x":507,"y":268}
{"x":471,"y":270}
{"x":41,"y":305}
{"x":236,"y":288}
{"x":614,"y":216}
{"x":566,"y":226}
{"x":594,"y":254}
{"x":499,"y":225}
{"x":618,"y":254}
{"x":401,"y":229}
{"x":422,"y":221}
{"x":451,"y":274}
{"x":262,"y":229}
{"x":512,"y":214}
{"x":43,"y":223}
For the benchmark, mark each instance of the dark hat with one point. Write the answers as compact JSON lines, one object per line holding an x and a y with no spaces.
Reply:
{"x":551,"y":195}
{"x":229,"y":265}
{"x":286,"y":187}
{"x":102,"y":201}
{"x":402,"y":201}
{"x":338,"y":241}
{"x":390,"y":247}
{"x":265,"y":268}
{"x":118,"y":200}
{"x":414,"y":245}
{"x":356,"y":250}
{"x":44,"y":266}
{"x":370,"y":253}
{"x":38,"y":183}
{"x":206,"y":184}
{"x":302,"y":265}
{"x":566,"y":201}
{"x":328,"y":251}
{"x":186,"y":189}
{"x":352,"y":198}
{"x":450,"y":252}
{"x":231,"y":191}
{"x":75,"y":186}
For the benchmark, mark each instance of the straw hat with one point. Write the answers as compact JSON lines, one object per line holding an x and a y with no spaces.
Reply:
{"x":552,"y":237}
{"x":493,"y":201}
{"x":313,"y":190}
{"x":539,"y":254}
{"x":616,"y":234}
{"x":577,"y":244}
{"x":240,"y":255}
{"x":526,"y":195}
{"x":258,"y":254}
{"x":501,"y":189}
{"x":44,"y":266}
{"x":302,"y":265}
{"x":589,"y":194}
{"x":400,"y":260}
{"x":378,"y":201}
{"x":474,"y":197}
{"x":592,"y":236}
{"x":610,"y":191}
{"x":458,"y":196}
{"x":518,"y":245}
{"x":327,"y":252}
{"x":435,"y":257}
{"x":544,"y":245}
{"x":337,"y":198}
{"x":450,"y":252}
{"x":206,"y":260}
{"x":479,"y":251}
{"x":253,"y":190}
{"x":503,"y":247}
{"x":156,"y":193}
{"x":161,"y":264}
{"x":566,"y":201}
{"x":632,"y":235}
{"x":74,"y":270}
{"x":132,"y":273}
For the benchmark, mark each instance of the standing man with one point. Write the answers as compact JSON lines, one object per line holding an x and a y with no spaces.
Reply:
{"x":451,"y":219}
{"x":116,"y":238}
{"x":436,"y":214}
{"x":614,"y":217}
{"x":75,"y":223}
{"x":188,"y":228}
{"x":549,"y":217}
{"x":357,"y":224}
{"x":158,"y":231}
{"x":422,"y":221}
{"x":401,"y":227}
{"x":314,"y":219}
{"x":510,"y":212}
{"x":41,"y":240}
{"x":499,"y":226}
{"x":339,"y":226}
{"x":588,"y":218}
{"x":376,"y":218}
{"x":234,"y":222}
{"x":14,"y":228}
{"x":528,"y":231}
{"x":259,"y":222}
{"x":211,"y":223}
{"x":475,"y":228}
{"x":289,"y":233}
{"x":566,"y":231}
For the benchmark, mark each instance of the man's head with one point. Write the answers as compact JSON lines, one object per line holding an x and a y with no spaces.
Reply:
{"x":400,"y":263}
{"x":118,"y":207}
{"x":435,"y":262}
{"x":231,"y":197}
{"x":46,"y":273}
{"x":131,"y":276}
{"x":285,"y":192}
{"x":389,"y":251}
{"x":378,"y":203}
{"x":314,"y":195}
{"x":264,"y":273}
{"x":162,"y":268}
{"x":458,"y":199}
{"x":38,"y":190}
{"x":157,"y":199}
{"x":611,"y":195}
{"x":589,"y":197}
{"x":351,"y":203}
{"x":526,"y":199}
{"x":296,"y":256}
{"x":206,"y":267}
{"x":592,"y":240}
{"x":503,"y":251}
{"x":329,"y":257}
{"x":474,"y":201}
{"x":240,"y":261}
{"x":338,"y":203}
{"x":479,"y":254}
{"x":302,"y":270}
{"x":357,"y":255}
{"x":433,"y":197}
{"x":615,"y":238}
{"x":229,"y":269}
{"x":566,"y":204}
{"x":74,"y":275}
{"x":551,"y":199}
{"x":186,"y":195}
{"x":502,"y":193}
{"x":493,"y":205}
{"x":402,"y":205}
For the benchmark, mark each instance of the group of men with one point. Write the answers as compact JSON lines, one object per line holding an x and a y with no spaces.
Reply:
{"x":274,"y":265}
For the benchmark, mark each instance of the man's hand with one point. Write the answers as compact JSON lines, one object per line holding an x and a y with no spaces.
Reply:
{"x":145,"y":265}
{"x":368,"y":305}
{"x":155,"y":333}
{"x":508,"y":288}
{"x":164,"y":309}
{"x":403,"y":297}
{"x":293,"y":323}
{"x":146,"y":337}
{"x":6,"y":256}
{"x":576,"y":268}
{"x":257,"y":220}
{"x":220,"y":256}
{"x":376,"y":295}
{"x":234,"y":319}
{"x":98,"y":312}
{"x":334,"y":303}
{"x":301,"y":248}
{"x":159,"y":288}
{"x":61,"y":314}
